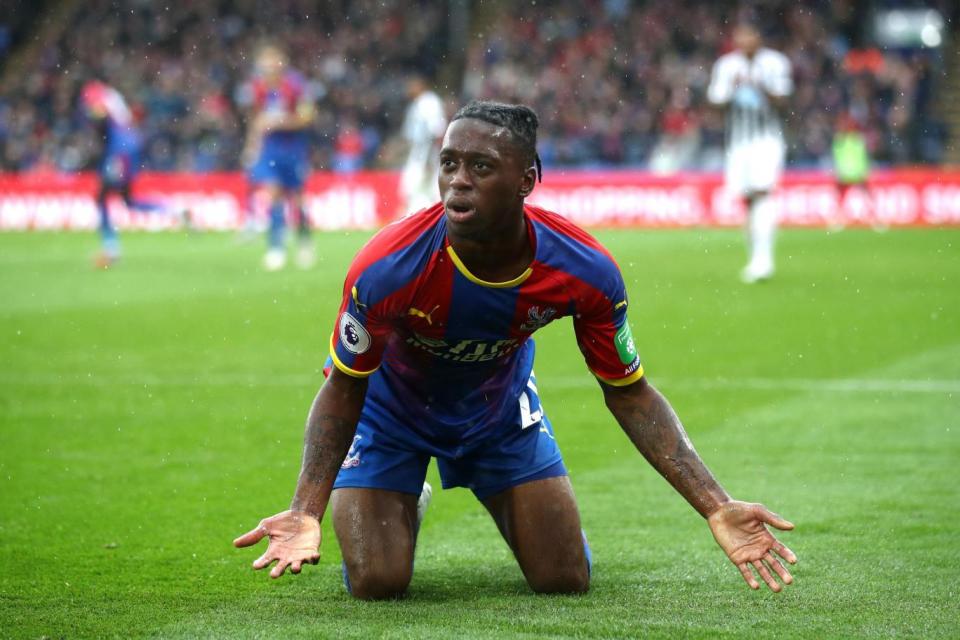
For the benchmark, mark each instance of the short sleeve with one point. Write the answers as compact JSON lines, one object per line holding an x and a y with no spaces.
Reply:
{"x":361,"y":330}
{"x":604,"y":335}
{"x":720,"y":90}
{"x":377,"y":291}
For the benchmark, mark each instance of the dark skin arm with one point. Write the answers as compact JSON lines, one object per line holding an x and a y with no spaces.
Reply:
{"x":738,"y":527}
{"x":331,"y":424}
{"x":295,"y":534}
{"x":655,"y":430}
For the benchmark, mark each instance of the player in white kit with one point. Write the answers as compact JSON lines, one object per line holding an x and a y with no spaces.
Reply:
{"x":423,"y":128}
{"x":753,"y":83}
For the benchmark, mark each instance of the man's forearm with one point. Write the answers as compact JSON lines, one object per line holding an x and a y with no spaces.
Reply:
{"x":331,"y":426}
{"x":777,"y":101}
{"x":289,"y":123}
{"x":654,"y":428}
{"x":286,"y":122}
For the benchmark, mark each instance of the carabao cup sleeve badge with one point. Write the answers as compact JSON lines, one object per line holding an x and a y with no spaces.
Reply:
{"x":353,"y":336}
{"x":626,"y":348}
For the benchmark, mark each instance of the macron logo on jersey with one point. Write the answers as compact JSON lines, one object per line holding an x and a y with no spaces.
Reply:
{"x":353,"y":336}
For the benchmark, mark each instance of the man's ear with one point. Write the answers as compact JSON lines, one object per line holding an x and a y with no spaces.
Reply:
{"x":529,"y":182}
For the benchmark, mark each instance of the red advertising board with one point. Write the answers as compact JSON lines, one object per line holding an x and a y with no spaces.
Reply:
{"x":926,"y":197}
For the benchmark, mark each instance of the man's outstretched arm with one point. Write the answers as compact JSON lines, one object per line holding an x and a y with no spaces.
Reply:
{"x":739,"y":527}
{"x":655,"y":430}
{"x":331,"y":425}
{"x":295,"y":534}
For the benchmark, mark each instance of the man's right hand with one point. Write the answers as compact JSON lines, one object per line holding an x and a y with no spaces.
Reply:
{"x":294,"y":540}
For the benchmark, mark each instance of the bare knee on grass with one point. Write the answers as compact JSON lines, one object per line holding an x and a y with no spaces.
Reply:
{"x":541,"y":523}
{"x":375,"y":529}
{"x":570,"y":579}
{"x":369,"y":581}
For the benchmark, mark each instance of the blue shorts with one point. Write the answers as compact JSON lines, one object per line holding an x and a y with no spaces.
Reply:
{"x":288,"y":170}
{"x":387,"y":456}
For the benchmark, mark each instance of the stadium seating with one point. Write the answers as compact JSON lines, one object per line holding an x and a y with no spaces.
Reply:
{"x":617,"y":83}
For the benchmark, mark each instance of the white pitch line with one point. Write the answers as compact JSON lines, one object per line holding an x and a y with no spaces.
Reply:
{"x":841,"y":385}
{"x":828,"y":385}
{"x":832,"y":385}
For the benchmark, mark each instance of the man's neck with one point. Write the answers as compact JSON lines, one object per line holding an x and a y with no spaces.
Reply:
{"x":499,"y":256}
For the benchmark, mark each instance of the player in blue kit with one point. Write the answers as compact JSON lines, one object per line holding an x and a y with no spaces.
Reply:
{"x":120,"y":160}
{"x":433,"y":358}
{"x":277,"y":150}
{"x":120,"y":156}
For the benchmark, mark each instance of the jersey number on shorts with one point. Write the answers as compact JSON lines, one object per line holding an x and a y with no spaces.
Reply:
{"x":529,"y":418}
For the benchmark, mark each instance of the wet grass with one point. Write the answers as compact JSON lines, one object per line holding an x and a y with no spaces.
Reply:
{"x":150,"y":413}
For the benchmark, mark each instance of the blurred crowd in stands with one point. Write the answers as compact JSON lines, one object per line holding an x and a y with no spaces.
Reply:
{"x":624,"y":83}
{"x":183,"y":67}
{"x":615,"y":82}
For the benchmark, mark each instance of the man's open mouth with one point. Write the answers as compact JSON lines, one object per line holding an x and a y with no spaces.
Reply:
{"x":458,"y":210}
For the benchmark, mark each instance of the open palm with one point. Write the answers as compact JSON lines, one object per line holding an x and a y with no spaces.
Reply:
{"x":740,"y":530}
{"x":294,"y":541}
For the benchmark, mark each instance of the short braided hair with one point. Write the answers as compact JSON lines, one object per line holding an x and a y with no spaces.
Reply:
{"x":520,"y":120}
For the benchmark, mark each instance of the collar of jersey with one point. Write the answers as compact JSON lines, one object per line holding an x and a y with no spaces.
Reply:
{"x":484,"y":283}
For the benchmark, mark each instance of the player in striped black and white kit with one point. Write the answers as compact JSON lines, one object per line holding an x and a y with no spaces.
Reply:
{"x":753,"y":84}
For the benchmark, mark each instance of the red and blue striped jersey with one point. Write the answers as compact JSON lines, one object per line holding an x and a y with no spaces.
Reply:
{"x":453,"y":350}
{"x":121,"y":134}
{"x":284,"y":99}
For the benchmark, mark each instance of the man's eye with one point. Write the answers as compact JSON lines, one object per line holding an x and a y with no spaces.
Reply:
{"x":481,"y":166}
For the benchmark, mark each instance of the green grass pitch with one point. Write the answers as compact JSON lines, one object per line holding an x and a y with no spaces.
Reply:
{"x":151,"y":413}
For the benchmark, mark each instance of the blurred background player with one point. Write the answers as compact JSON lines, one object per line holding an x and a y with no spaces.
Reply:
{"x":423,"y":128}
{"x":119,"y":158}
{"x":277,"y":148}
{"x":851,"y":165}
{"x":752,"y":83}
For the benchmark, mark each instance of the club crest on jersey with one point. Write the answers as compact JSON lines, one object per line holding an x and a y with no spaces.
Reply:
{"x":537,"y":319}
{"x":353,"y":336}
